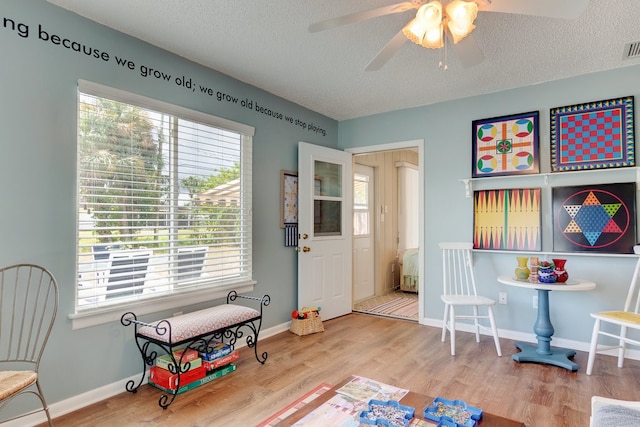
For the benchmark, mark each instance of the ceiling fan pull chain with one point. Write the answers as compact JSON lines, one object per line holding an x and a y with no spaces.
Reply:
{"x":441,"y":65}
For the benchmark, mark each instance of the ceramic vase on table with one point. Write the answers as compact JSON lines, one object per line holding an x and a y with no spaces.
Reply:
{"x":522,"y":271}
{"x":545,"y":273}
{"x":533,"y":268}
{"x":561,"y":274}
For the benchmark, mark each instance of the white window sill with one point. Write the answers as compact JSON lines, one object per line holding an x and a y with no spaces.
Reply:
{"x":88,"y":318}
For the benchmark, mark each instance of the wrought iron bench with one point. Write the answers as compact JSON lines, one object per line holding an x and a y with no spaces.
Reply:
{"x":195,"y":330}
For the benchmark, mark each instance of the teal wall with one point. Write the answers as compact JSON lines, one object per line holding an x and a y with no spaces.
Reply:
{"x":38,"y":87}
{"x":38,"y":162}
{"x":446,"y":130}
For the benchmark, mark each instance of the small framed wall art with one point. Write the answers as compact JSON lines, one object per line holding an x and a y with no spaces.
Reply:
{"x":507,"y":219}
{"x":288,"y":198}
{"x":506,"y":145}
{"x":289,"y":206}
{"x":594,"y":218}
{"x":595,"y":135}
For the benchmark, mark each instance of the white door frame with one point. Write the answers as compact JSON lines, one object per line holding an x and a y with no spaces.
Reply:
{"x":419,"y":143}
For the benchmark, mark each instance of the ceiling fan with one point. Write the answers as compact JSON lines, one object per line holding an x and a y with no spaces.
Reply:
{"x":435,"y":23}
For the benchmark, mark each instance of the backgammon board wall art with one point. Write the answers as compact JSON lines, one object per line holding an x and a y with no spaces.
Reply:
{"x":507,"y":219}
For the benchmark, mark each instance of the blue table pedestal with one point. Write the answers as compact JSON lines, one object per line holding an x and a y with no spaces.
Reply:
{"x":558,"y":356}
{"x":543,"y":353}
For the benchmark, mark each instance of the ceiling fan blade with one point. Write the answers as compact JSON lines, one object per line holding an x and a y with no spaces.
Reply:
{"x":387,"y":52}
{"x":363,"y":16}
{"x":566,"y":9}
{"x":468,"y":51}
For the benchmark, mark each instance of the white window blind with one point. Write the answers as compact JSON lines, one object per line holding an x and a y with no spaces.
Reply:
{"x":164,"y":199}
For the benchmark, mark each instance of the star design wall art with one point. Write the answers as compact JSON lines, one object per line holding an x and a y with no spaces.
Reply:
{"x":596,"y":218}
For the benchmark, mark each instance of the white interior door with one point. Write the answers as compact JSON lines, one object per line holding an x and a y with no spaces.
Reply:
{"x":363,"y":232}
{"x":325,"y":212}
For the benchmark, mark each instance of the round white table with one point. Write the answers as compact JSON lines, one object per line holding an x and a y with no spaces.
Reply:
{"x":543,"y":353}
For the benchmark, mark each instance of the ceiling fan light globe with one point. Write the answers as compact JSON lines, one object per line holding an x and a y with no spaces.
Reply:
{"x":426,"y":28}
{"x":460,"y":17}
{"x":433,"y":38}
{"x":430,"y":13}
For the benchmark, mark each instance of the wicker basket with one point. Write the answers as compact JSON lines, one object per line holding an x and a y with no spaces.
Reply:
{"x":310,"y":325}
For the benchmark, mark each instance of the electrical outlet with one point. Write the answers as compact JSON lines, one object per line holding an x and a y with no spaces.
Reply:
{"x":502,"y":298}
{"x":535,"y":301}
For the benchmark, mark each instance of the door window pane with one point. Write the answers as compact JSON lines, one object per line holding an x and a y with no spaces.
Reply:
{"x":327,"y":219}
{"x":360,"y":204}
{"x":328,"y":179}
{"x":327,"y":199}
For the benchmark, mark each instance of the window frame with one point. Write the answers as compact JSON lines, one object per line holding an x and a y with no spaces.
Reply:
{"x":86,"y":317}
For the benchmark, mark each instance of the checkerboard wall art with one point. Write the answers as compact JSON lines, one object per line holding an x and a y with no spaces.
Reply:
{"x":506,"y":145}
{"x":595,"y":218}
{"x":595,"y":135}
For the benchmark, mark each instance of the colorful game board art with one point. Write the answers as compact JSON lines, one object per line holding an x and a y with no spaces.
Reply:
{"x":595,"y":135}
{"x":596,"y":218}
{"x":507,"y":219}
{"x":505,"y":145}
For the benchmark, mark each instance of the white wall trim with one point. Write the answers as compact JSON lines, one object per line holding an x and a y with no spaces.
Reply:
{"x":531,"y":338}
{"x":401,"y":145}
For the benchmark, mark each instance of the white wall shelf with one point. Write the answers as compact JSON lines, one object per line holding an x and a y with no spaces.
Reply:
{"x":553,"y":179}
{"x":549,"y":255}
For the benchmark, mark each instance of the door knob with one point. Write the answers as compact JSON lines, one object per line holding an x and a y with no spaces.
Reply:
{"x":304,"y":236}
{"x":306,"y":249}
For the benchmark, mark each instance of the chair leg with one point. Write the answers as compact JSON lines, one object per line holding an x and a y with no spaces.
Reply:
{"x":452,"y":330}
{"x":445,"y":322}
{"x":496,"y":339}
{"x":45,"y":407}
{"x":593,"y":348}
{"x":476,"y":322}
{"x":623,"y":346}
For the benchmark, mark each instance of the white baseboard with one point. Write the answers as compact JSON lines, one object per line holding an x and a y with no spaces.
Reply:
{"x":531,"y":338}
{"x":99,"y":394}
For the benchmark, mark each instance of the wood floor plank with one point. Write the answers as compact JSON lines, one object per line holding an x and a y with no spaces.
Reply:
{"x":401,"y":353}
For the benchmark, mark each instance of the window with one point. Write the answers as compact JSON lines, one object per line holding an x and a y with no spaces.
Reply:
{"x":361,"y":206}
{"x":164,"y":200}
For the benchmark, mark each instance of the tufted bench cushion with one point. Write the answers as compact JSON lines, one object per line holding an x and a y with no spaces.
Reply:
{"x":190,"y":325}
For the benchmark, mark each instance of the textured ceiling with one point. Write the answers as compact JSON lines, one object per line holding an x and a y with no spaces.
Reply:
{"x":266,"y":44}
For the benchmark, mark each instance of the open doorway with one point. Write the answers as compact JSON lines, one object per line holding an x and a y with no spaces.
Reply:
{"x":388,"y":231}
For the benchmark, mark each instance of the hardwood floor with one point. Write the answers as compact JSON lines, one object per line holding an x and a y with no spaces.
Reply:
{"x":401,"y":353}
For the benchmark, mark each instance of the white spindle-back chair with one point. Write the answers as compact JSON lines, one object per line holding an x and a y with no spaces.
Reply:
{"x":622,"y":321}
{"x":459,"y":290}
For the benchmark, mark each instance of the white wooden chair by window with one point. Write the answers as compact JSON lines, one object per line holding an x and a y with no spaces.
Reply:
{"x":619,"y":322}
{"x":127,"y":273}
{"x":191,"y":261}
{"x":32,"y":291}
{"x":459,"y":290}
